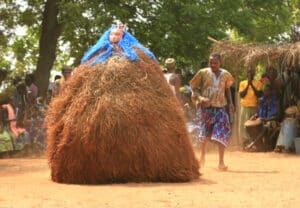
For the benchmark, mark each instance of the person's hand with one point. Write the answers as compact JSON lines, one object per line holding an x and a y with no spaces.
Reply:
{"x":186,"y":106}
{"x":205,"y":102}
{"x":251,"y":84}
{"x":254,"y":117}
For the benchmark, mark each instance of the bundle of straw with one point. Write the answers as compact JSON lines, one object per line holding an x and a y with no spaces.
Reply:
{"x":118,"y":122}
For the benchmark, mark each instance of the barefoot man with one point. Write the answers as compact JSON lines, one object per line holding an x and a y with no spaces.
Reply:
{"x":172,"y":78}
{"x":211,"y":86}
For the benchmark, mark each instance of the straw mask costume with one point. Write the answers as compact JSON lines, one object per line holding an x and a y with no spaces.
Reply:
{"x":117,"y":120}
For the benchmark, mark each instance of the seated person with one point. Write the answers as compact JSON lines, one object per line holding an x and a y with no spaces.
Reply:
{"x":268,"y":112}
{"x":290,"y":125}
{"x":5,"y":136}
{"x":288,"y":131}
{"x":20,"y":136}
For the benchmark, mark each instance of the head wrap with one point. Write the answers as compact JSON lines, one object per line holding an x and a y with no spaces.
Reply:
{"x":126,"y":44}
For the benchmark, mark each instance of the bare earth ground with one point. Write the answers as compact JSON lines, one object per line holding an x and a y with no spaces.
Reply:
{"x":253,"y":180}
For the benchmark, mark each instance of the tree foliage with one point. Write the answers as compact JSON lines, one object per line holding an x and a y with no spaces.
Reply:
{"x":170,"y":28}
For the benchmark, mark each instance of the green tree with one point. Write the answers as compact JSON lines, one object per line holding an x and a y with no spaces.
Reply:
{"x":57,"y":30}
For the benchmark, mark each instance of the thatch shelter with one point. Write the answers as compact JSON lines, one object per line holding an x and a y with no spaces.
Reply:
{"x":281,"y":56}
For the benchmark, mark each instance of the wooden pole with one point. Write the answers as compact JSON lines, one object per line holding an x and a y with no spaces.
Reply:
{"x":212,"y":39}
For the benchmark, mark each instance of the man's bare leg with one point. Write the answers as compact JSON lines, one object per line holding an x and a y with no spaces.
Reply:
{"x":222,"y":165}
{"x":203,"y":151}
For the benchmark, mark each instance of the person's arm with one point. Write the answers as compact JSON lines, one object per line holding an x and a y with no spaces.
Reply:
{"x":275,"y":116}
{"x":203,"y":101}
{"x":260,"y":108}
{"x":194,"y":83}
{"x":229,"y":82}
{"x":175,"y":82}
{"x":243,"y":93}
{"x":229,"y":99}
{"x":257,"y":92}
{"x":269,"y":119}
{"x":255,"y":116}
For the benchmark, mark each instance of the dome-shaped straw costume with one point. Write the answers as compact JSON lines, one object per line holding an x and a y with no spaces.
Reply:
{"x":117,"y":120}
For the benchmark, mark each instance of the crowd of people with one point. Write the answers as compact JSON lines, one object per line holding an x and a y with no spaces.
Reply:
{"x":22,"y":114}
{"x":269,"y":105}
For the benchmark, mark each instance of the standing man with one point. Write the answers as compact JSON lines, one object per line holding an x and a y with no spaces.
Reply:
{"x":32,"y":89}
{"x":211,"y":87}
{"x":250,"y":90}
{"x":32,"y":93}
{"x":172,"y":79}
{"x":67,"y":73}
{"x":50,"y":88}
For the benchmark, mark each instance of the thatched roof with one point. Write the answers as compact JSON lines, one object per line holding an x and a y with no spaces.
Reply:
{"x":246,"y":55}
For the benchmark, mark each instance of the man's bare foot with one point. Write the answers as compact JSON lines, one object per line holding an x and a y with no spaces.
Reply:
{"x":278,"y":149}
{"x":202,"y":162}
{"x":222,"y":168}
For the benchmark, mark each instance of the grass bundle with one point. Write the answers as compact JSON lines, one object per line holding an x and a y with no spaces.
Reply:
{"x":118,"y":122}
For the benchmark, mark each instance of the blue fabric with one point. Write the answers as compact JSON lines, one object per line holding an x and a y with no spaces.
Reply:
{"x":126,"y":44}
{"x":265,"y":111}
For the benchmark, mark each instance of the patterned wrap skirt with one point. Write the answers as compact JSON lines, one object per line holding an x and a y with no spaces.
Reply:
{"x":212,"y":122}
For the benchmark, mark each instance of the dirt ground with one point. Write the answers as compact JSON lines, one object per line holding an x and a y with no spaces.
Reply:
{"x":253,"y":180}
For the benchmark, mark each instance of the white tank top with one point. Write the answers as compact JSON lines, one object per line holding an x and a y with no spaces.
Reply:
{"x":168,"y":76}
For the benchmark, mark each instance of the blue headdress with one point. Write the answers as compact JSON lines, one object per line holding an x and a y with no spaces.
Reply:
{"x":126,"y":44}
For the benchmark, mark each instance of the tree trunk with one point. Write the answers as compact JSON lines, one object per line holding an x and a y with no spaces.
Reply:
{"x":50,"y":33}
